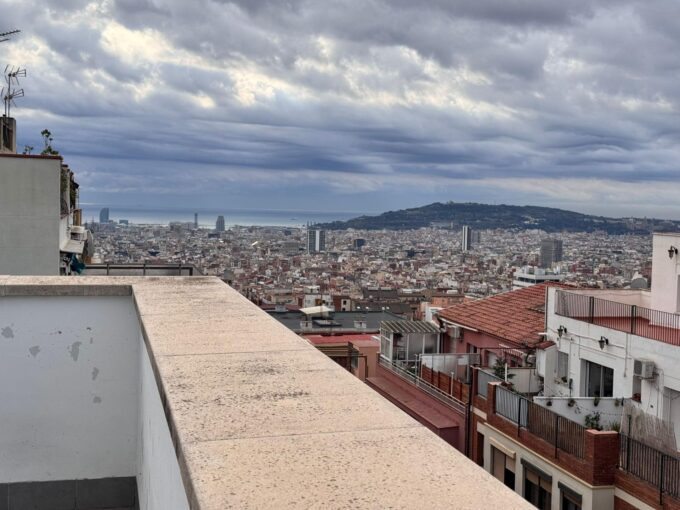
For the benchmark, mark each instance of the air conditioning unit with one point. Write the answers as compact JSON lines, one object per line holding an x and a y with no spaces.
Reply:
{"x":643,"y":368}
{"x":456,"y":332}
{"x":530,"y":359}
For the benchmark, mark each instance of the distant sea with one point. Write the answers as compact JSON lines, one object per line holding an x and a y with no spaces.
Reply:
{"x":208,"y":217}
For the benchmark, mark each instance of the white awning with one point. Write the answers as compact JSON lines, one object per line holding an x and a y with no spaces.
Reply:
{"x":316,"y":310}
{"x":72,"y":246}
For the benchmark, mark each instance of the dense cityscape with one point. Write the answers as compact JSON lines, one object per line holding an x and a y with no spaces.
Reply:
{"x":273,"y":265}
{"x":501,"y":331}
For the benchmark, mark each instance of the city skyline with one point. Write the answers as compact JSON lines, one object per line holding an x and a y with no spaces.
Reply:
{"x":371,"y":107}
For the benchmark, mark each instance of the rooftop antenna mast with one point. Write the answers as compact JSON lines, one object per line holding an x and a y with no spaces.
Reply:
{"x":5,"y":36}
{"x":12,"y":75}
{"x":11,"y":92}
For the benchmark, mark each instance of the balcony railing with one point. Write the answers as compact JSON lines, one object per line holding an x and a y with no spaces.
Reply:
{"x":562,"y":433}
{"x":651,"y":465}
{"x":645,"y":322}
{"x":142,"y":270}
{"x":407,"y":370}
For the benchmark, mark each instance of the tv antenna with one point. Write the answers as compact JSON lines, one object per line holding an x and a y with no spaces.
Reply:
{"x":11,"y":92}
{"x":5,"y":36}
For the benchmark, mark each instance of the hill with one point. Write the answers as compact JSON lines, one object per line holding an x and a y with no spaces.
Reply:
{"x":485,"y":216}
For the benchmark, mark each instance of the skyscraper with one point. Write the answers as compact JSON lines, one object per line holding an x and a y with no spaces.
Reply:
{"x":219,"y":224}
{"x":104,"y":215}
{"x":195,"y":220}
{"x":467,"y":239}
{"x":551,"y":252}
{"x":316,"y":240}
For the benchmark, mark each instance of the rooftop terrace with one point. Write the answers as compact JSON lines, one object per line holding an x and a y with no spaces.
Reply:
{"x":207,"y":401}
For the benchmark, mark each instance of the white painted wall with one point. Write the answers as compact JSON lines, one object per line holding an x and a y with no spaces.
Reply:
{"x":665,"y":271}
{"x":29,"y":215}
{"x":610,"y":409}
{"x":68,"y":388}
{"x":159,"y":482}
{"x":78,"y":397}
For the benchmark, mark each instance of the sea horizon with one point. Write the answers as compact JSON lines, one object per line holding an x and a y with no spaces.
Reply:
{"x":208,"y":216}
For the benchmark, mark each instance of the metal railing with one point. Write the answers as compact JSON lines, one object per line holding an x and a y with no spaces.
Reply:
{"x":417,"y":381}
{"x":637,"y":320}
{"x":142,"y":269}
{"x":561,"y":432}
{"x":651,"y":465}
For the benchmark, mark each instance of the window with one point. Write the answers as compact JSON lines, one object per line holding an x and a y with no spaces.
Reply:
{"x":599,"y":380}
{"x":480,"y":449}
{"x":537,"y":487}
{"x":563,"y":366}
{"x":503,"y":467}
{"x":570,"y":499}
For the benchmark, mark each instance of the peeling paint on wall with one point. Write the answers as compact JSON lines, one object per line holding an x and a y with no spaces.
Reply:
{"x":74,"y":350}
{"x":7,"y":332}
{"x":95,"y":373}
{"x":97,"y":400}
{"x":34,"y":350}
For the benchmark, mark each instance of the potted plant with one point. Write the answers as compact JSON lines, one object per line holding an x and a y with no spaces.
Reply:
{"x":592,"y":421}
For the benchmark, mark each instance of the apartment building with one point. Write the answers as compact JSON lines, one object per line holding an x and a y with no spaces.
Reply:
{"x":602,"y":431}
{"x":505,"y":327}
{"x":41,"y":231}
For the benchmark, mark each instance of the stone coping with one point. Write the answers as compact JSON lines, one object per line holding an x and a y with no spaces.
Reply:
{"x":260,"y":418}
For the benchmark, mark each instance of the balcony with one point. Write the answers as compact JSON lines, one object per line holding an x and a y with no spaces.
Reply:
{"x":583,"y":452}
{"x":564,"y":434}
{"x":186,"y":395}
{"x":626,"y":317}
{"x":658,"y":469}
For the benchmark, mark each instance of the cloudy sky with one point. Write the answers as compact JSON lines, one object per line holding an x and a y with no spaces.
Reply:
{"x":357,"y":105}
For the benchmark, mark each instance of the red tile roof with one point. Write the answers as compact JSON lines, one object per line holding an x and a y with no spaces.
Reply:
{"x":517,"y":316}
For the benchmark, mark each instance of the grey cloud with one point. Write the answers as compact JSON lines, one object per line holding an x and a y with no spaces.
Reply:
{"x":577,"y":89}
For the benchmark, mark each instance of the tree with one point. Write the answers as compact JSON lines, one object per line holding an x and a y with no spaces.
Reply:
{"x":47,"y":141}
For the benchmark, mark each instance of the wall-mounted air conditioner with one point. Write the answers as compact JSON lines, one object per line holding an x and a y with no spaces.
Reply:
{"x":643,"y":368}
{"x":456,"y":332}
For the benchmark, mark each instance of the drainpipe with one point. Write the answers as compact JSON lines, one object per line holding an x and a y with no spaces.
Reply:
{"x":468,"y":422}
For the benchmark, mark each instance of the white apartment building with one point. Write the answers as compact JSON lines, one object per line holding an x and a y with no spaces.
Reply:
{"x":620,"y":343}
{"x":40,"y":222}
{"x":530,"y":275}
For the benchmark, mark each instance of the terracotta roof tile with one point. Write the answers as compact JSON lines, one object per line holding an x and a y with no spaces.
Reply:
{"x":517,"y":316}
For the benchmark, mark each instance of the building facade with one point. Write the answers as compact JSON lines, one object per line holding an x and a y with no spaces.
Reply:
{"x":219,"y":224}
{"x":551,"y":252}
{"x":316,"y":240}
{"x":530,"y":275}
{"x":466,"y":239}
{"x":41,"y":229}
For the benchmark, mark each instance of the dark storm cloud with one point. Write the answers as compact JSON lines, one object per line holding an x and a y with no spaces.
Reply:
{"x":156,"y":94}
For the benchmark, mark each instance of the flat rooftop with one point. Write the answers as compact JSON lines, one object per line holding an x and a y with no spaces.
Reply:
{"x":334,"y":321}
{"x":259,"y":418}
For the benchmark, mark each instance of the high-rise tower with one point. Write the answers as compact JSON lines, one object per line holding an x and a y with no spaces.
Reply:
{"x":219,"y":224}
